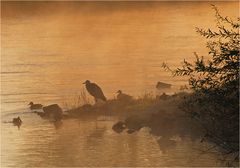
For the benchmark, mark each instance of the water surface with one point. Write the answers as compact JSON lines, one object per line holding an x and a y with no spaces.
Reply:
{"x":49,"y":48}
{"x":40,"y":143}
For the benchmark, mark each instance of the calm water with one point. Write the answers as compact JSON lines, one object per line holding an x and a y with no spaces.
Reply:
{"x":49,"y":49}
{"x":90,"y":143}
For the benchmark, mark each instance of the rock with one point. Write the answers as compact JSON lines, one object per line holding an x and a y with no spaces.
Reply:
{"x":119,"y":126}
{"x":53,"y":111}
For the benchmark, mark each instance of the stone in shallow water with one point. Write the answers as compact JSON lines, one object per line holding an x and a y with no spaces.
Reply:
{"x":119,"y":126}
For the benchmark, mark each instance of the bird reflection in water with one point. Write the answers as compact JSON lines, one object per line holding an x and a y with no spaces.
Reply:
{"x":95,"y":137}
{"x":166,"y":126}
{"x":57,"y":124}
{"x":166,"y":144}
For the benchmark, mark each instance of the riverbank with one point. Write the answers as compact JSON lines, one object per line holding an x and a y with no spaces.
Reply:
{"x":162,"y":114}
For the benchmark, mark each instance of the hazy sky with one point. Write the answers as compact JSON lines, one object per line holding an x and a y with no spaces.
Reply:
{"x":13,"y":8}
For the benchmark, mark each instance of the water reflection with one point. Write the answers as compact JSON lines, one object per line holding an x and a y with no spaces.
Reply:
{"x":164,"y":125}
{"x":165,"y":144}
{"x":58,"y":124}
{"x":75,"y":142}
{"x":47,"y":51}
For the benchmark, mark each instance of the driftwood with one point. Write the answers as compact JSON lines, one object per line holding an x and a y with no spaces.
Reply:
{"x":162,"y":85}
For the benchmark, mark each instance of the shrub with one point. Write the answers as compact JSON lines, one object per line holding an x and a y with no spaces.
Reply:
{"x":215,"y":84}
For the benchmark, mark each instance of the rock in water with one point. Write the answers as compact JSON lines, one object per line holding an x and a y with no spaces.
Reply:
{"x":53,"y":111}
{"x":119,"y":127}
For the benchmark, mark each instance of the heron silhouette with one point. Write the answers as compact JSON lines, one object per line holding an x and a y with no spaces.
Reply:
{"x":94,"y":90}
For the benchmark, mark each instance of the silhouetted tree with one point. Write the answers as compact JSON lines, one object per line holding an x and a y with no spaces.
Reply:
{"x":223,"y":69}
{"x":215,"y":82}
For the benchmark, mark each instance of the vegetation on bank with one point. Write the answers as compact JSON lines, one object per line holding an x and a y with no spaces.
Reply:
{"x":214,"y":102}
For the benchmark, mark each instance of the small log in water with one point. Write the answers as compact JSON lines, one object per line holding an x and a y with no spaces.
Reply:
{"x":162,"y":85}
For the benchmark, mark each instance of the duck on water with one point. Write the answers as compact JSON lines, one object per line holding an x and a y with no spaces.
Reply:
{"x":17,"y":122}
{"x":35,"y":106}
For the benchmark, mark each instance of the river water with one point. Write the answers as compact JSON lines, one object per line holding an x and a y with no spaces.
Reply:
{"x":40,"y":143}
{"x":49,"y":48}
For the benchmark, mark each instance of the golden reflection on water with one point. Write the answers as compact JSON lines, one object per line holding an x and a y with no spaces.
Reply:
{"x":93,"y":143}
{"x":118,"y":45}
{"x":49,"y":48}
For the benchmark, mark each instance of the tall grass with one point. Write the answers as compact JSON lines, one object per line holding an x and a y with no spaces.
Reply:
{"x":76,"y":101}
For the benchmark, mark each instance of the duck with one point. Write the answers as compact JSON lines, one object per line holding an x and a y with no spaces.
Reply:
{"x":122,"y":96}
{"x":35,"y":106}
{"x":17,"y":121}
{"x":132,"y":124}
{"x":164,"y":96}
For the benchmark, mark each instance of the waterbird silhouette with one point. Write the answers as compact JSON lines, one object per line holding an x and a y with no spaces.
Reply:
{"x":164,"y":96}
{"x":132,"y":124}
{"x":35,"y":106}
{"x":122,"y":96}
{"x":94,"y":90}
{"x":17,"y":122}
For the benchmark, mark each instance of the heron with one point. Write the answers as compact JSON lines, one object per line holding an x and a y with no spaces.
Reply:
{"x":94,"y":90}
{"x":35,"y":106}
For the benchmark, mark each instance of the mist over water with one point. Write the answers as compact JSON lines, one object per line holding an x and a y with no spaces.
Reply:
{"x":49,"y":49}
{"x":117,"y":45}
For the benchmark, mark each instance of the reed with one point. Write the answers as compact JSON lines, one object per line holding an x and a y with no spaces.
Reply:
{"x":76,"y":101}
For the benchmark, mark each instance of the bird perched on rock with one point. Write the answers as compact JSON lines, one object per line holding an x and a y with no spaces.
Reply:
{"x":122,"y":96}
{"x":35,"y":106}
{"x":94,"y":90}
